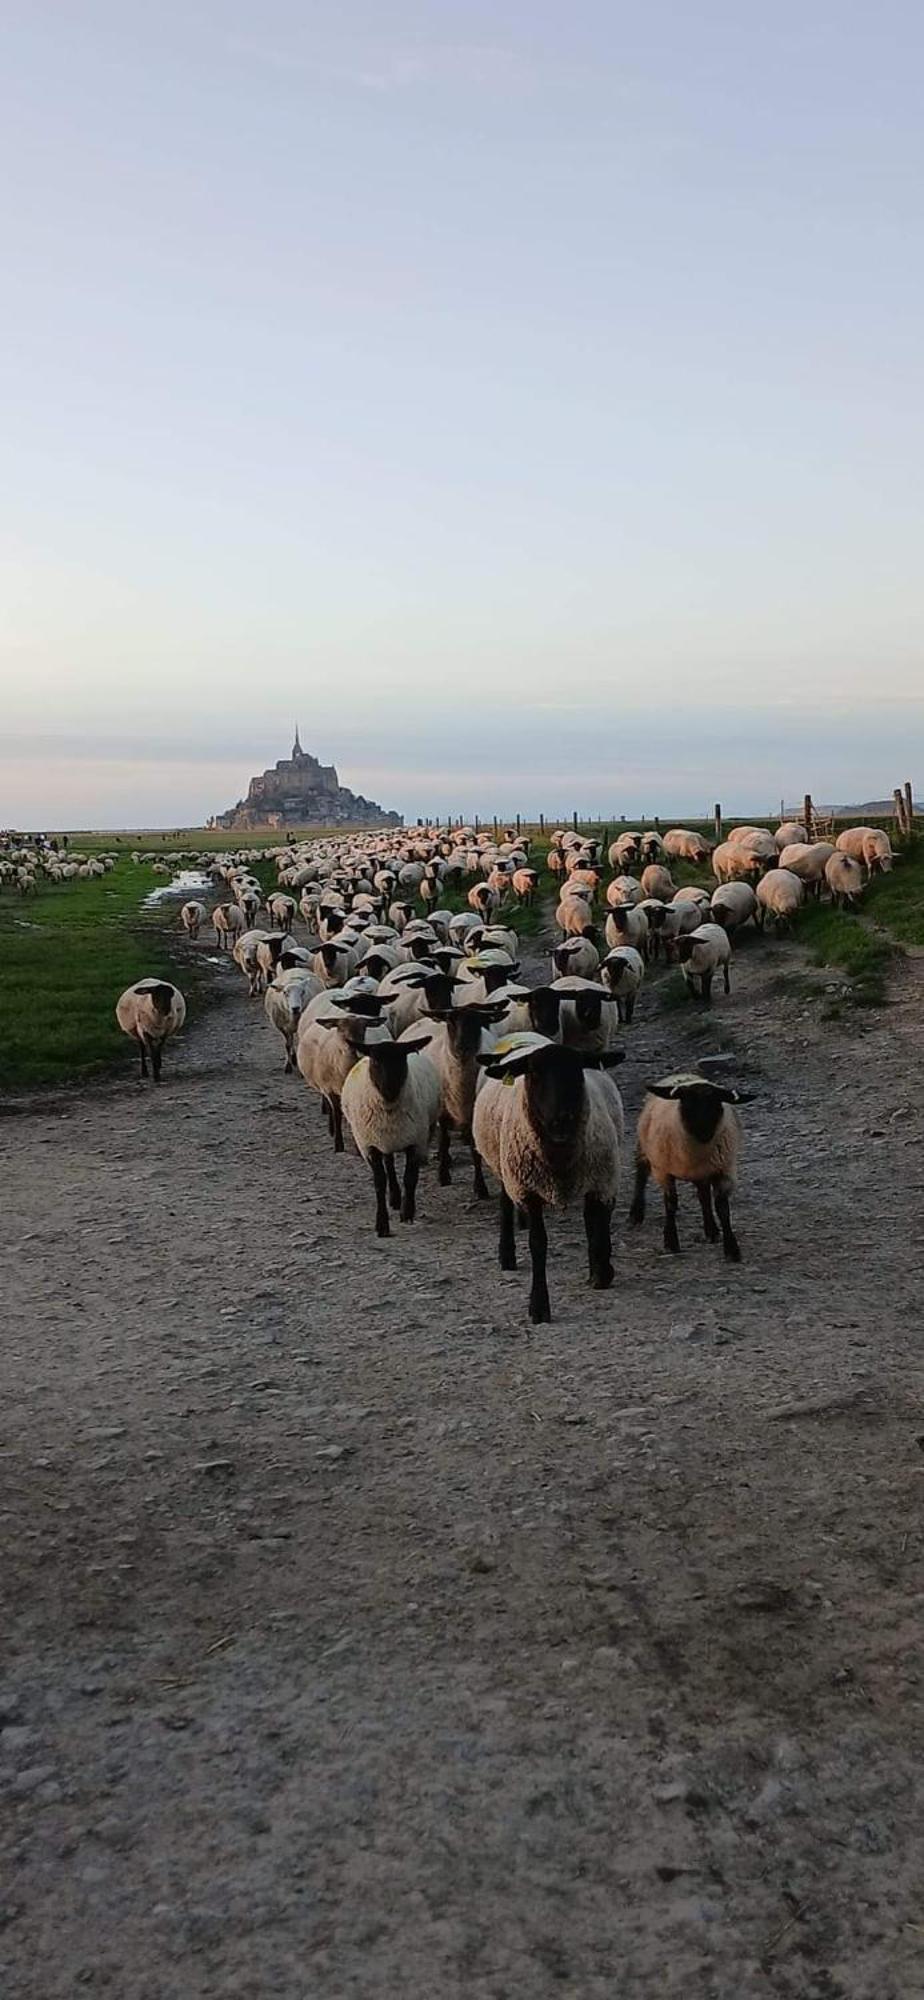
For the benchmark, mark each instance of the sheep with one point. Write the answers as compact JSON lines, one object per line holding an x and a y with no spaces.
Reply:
{"x":585,"y":1022}
{"x":625,"y":851}
{"x":555,"y":1132}
{"x":192,"y":917}
{"x":682,"y":844}
{"x":850,"y":841}
{"x":624,"y":889}
{"x":807,"y":860}
{"x":497,"y":937}
{"x":578,"y":955}
{"x":779,"y":895}
{"x":244,"y":953}
{"x":731,"y":862}
{"x":483,"y":900}
{"x":694,"y":894}
{"x":742,"y":836}
{"x":325,"y":1052}
{"x":334,"y":962}
{"x":688,"y":1131}
{"x":845,"y":879}
{"x":228,"y":923}
{"x":283,"y":1005}
{"x":282,"y":911}
{"x":391,"y":1102}
{"x":623,"y":971}
{"x":788,"y":832}
{"x":626,"y":926}
{"x":456,"y":1040}
{"x":656,"y":881}
{"x":525,"y":882}
{"x":652,"y":846}
{"x":701,"y":955}
{"x":877,"y":851}
{"x":734,"y":904}
{"x":150,"y":1011}
{"x":574,"y":916}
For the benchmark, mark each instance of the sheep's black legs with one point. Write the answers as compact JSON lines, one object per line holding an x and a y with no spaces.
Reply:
{"x":727,"y":972}
{"x":671,"y":1238}
{"x":730,"y":1242}
{"x":539,"y":1308}
{"x":597,"y":1215}
{"x":710,"y":1226}
{"x":637,"y":1211}
{"x":507,"y":1245}
{"x":157,"y":1057}
{"x":337,"y":1124}
{"x":144,"y":1057}
{"x":479,"y":1184}
{"x":444,"y":1168}
{"x":394,"y":1186}
{"x":411,"y":1177}
{"x":376,"y":1162}
{"x":706,"y":984}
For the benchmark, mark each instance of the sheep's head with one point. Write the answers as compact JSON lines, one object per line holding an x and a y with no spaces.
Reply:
{"x":701,"y":1103}
{"x":553,"y":1077}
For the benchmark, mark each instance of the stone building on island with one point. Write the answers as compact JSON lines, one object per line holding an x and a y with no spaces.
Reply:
{"x":299,"y":791}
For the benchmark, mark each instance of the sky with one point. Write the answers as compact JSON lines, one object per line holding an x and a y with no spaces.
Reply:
{"x":528,"y":398}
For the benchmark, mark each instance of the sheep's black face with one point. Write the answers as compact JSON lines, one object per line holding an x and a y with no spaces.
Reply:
{"x":701,"y":1109}
{"x":555,"y":1094}
{"x":388,"y":1069}
{"x":685,"y":949}
{"x":588,"y":1008}
{"x":544,"y":1009}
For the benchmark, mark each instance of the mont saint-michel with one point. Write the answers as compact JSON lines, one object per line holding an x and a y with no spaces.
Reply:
{"x":300,"y":791}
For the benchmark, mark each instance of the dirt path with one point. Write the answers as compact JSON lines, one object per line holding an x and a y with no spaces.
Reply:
{"x":359,"y":1642}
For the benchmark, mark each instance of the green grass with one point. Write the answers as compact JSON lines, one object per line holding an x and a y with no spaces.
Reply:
{"x":896,"y":900}
{"x":844,"y":942}
{"x":66,"y":955}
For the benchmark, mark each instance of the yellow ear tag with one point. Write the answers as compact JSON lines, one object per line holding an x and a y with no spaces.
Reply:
{"x":509,"y":1082}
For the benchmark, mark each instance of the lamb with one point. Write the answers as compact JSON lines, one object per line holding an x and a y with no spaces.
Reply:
{"x":151,"y":1011}
{"x":779,"y":896}
{"x":552,"y":1134}
{"x":682,"y":844}
{"x":734,"y":904}
{"x":283,"y":1006}
{"x":391,"y":1102}
{"x":845,"y":879}
{"x":877,"y":851}
{"x":688,"y":1131}
{"x":656,"y":881}
{"x":623,"y":971}
{"x":192,"y":918}
{"x":702,"y":954}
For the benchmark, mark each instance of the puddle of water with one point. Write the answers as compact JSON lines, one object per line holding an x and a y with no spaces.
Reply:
{"x":189,"y":882}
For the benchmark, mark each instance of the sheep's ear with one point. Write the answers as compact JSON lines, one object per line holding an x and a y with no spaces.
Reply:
{"x":730,"y":1096}
{"x":608,"y":1058}
{"x":660,"y":1090}
{"x":419,"y":1042}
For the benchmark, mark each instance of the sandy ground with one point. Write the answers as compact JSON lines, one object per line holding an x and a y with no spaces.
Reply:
{"x":359,"y":1640}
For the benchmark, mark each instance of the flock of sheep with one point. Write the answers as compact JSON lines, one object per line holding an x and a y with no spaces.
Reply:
{"x":412,"y":1025}
{"x":25,"y":867}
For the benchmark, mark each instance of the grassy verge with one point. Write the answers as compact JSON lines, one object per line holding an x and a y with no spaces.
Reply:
{"x":842,"y":941}
{"x":896,"y":901}
{"x":66,"y":955}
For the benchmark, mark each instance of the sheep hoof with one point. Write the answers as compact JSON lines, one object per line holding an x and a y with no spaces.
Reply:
{"x":540,"y":1312}
{"x":383,"y":1228}
{"x":733,"y":1252}
{"x":444,"y":1177}
{"x":600,"y":1281}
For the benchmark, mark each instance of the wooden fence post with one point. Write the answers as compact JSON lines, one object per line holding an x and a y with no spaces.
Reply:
{"x":909,"y":806}
{"x":574,"y":821}
{"x":542,"y":822}
{"x":899,"y":804}
{"x":809,"y":820}
{"x":717,"y":813}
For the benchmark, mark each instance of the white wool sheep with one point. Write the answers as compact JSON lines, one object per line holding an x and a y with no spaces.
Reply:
{"x":151,"y":1011}
{"x":688,"y":1131}
{"x":483,"y":900}
{"x":652,"y":846}
{"x":702,"y":954}
{"x":682,"y":844}
{"x":850,"y":841}
{"x":456,"y":1037}
{"x":625,"y":925}
{"x":574,"y":915}
{"x":624,"y":889}
{"x":284,"y":1004}
{"x":244,"y":953}
{"x":788,"y":832}
{"x":525,"y":882}
{"x":743,"y":835}
{"x":877,"y":851}
{"x":282,"y":910}
{"x":549,"y":1124}
{"x":625,"y":851}
{"x":807,"y":860}
{"x":391,"y":1102}
{"x":732,"y":862}
{"x":657,"y":882}
{"x":578,"y":955}
{"x":845,"y":879}
{"x":733,"y":904}
{"x":228,"y":923}
{"x":334,"y":961}
{"x":325,"y":1051}
{"x":780,"y":894}
{"x":623,"y":971}
{"x":192,"y":918}
{"x":589,"y":1017}
{"x":694,"y":894}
